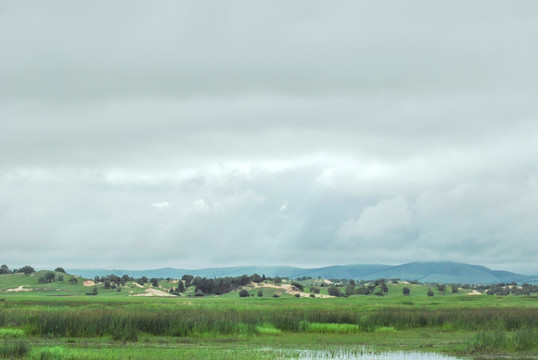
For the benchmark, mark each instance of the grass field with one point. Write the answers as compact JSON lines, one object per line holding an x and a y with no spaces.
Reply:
{"x":57,"y":321}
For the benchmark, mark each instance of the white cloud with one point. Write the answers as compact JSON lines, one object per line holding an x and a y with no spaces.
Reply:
{"x":161,"y":205}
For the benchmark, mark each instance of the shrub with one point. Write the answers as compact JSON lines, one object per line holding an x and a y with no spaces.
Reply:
{"x":430,"y":292}
{"x":243,"y":293}
{"x":94,"y":292}
{"x":260,"y":293}
{"x":297,"y":285}
{"x":406,"y":290}
{"x":333,"y":291}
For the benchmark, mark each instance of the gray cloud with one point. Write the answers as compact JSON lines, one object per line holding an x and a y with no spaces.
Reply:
{"x":305,"y":133}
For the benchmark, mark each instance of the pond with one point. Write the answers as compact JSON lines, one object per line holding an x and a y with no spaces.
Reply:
{"x":364,"y":354}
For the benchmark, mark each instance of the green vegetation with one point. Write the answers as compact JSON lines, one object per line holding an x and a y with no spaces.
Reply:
{"x":56,"y":320}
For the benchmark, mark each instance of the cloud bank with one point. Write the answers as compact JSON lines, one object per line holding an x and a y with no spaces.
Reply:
{"x":304,"y":133}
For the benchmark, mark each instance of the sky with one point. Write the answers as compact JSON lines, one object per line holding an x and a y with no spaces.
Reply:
{"x":195,"y":134}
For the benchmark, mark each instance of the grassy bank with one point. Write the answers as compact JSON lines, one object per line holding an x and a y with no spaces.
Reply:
{"x":122,"y":328}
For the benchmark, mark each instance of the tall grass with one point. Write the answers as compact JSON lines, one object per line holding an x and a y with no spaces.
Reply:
{"x":14,"y":350}
{"x":125,"y":323}
{"x":489,"y":341}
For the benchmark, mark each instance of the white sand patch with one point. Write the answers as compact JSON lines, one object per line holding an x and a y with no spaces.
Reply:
{"x":89,"y":283}
{"x":474,"y":292}
{"x":154,"y":292}
{"x":137,"y":285}
{"x":286,"y":288}
{"x":19,"y":289}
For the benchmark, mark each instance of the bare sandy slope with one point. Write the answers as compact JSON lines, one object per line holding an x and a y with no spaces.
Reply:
{"x":474,"y":292}
{"x":286,"y":289}
{"x":19,"y":289}
{"x":88,"y":283}
{"x":154,"y":292}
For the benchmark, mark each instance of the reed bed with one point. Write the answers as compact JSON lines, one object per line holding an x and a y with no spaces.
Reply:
{"x":124,"y":323}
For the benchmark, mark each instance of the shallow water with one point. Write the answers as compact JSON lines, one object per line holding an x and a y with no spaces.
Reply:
{"x":364,"y":354}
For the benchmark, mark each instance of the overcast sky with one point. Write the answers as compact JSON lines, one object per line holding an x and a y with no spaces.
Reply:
{"x":192,"y":134}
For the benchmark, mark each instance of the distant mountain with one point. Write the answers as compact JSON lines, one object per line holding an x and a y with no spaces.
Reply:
{"x":338,"y":271}
{"x":441,"y":272}
{"x":449,"y":272}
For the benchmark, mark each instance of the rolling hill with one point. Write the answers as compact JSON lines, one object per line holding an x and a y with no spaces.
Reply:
{"x":442,"y":272}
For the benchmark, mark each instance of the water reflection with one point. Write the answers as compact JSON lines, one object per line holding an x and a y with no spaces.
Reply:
{"x":363,"y":354}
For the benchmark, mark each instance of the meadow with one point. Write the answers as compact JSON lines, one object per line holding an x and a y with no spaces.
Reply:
{"x":63,"y":323}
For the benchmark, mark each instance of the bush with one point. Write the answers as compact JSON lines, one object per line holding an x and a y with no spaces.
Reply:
{"x":94,"y":292}
{"x":275,"y":295}
{"x":333,"y":291}
{"x":243,"y":293}
{"x":297,"y":285}
{"x":73,"y":280}
{"x":430,"y":292}
{"x":406,"y":290}
{"x":260,"y":293}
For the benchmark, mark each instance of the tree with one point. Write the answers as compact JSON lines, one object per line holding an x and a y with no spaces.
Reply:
{"x":441,"y":288}
{"x":430,"y":292}
{"x":59,"y":269}
{"x":298,"y":285}
{"x":154,"y":282}
{"x":314,"y":289}
{"x":49,"y":276}
{"x":406,"y":290}
{"x":243,"y":293}
{"x":27,"y":270}
{"x":188,"y":280}
{"x":180,"y":286}
{"x":363,"y":290}
{"x":256,"y":278}
{"x":107,"y":284}
{"x":352,"y":282}
{"x":4,"y":270}
{"x":277,"y":280}
{"x":384,"y":288}
{"x":73,"y":280}
{"x":455,"y":289}
{"x":333,"y":291}
{"x":60,"y":278}
{"x":350,"y":289}
{"x":260,"y":293}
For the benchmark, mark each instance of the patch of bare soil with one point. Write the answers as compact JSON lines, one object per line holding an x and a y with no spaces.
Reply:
{"x":286,"y":288}
{"x":19,"y":289}
{"x":89,"y":283}
{"x":154,"y":292}
{"x":474,"y":292}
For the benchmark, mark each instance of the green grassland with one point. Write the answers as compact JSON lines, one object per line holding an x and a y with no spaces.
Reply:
{"x":58,"y":321}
